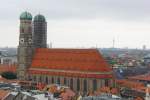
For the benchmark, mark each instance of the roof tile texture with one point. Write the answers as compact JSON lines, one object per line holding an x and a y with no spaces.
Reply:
{"x":70,"y":59}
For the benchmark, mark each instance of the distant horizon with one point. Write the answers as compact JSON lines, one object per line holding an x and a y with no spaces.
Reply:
{"x":86,"y":48}
{"x":82,"y":23}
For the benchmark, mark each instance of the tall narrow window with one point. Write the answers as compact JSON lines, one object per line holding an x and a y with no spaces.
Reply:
{"x":65,"y":81}
{"x":71,"y":83}
{"x":34,"y":78}
{"x":29,"y":29}
{"x":29,"y":78}
{"x":106,"y":82}
{"x":40,"y":80}
{"x":85,"y":85}
{"x":94,"y":84}
{"x":78,"y":84}
{"x":22,"y":30}
{"x":52,"y":80}
{"x":58,"y":80}
{"x":46,"y":80}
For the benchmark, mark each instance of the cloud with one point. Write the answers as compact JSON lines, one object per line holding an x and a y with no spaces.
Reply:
{"x":81,"y":9}
{"x":85,"y":22}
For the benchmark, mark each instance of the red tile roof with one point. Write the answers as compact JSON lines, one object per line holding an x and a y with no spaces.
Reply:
{"x":129,"y":84}
{"x":7,"y":68}
{"x":70,"y":62}
{"x":70,"y":59}
{"x":145,"y":77}
{"x":134,"y":85}
{"x":3,"y":79}
{"x":3,"y":94}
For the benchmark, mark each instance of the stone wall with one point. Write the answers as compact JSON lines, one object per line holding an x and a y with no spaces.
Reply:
{"x":84,"y":84}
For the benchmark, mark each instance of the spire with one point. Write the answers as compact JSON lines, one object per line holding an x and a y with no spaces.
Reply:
{"x":113,"y":43}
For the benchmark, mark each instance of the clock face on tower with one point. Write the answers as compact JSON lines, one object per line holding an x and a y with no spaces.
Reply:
{"x":21,"y":40}
{"x":30,"y":41}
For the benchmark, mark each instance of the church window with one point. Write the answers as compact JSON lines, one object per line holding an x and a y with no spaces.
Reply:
{"x":94,"y":84}
{"x":106,"y":82}
{"x":40,"y":79}
{"x":34,"y":78}
{"x":71,"y":83}
{"x":58,"y":80}
{"x":52,"y":80}
{"x":85,"y":85}
{"x":29,"y":78}
{"x":46,"y":80}
{"x":65,"y":81}
{"x":22,"y":30}
{"x":78,"y":84}
{"x":29,"y":29}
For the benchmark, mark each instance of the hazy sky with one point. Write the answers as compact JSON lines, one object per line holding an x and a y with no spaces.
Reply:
{"x":81,"y":23}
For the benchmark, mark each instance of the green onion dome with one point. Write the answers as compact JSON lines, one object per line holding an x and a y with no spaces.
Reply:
{"x":39,"y":18}
{"x":25,"y":16}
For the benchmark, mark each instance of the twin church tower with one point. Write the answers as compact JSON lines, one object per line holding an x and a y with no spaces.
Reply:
{"x":80,"y":69}
{"x":33,"y":34}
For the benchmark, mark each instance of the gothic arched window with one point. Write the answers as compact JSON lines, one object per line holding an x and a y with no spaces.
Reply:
{"x":46,"y":80}
{"x":34,"y":78}
{"x":52,"y":81}
{"x":94,"y":84}
{"x":21,"y":30}
{"x":78,"y":84}
{"x":71,"y":83}
{"x":85,"y":85}
{"x":58,"y":80}
{"x":40,"y":79}
{"x":29,"y":29}
{"x":65,"y":81}
{"x":106,"y":82}
{"x":29,"y":78}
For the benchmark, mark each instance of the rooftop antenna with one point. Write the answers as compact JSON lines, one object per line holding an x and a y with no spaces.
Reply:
{"x":51,"y":44}
{"x":113,"y":43}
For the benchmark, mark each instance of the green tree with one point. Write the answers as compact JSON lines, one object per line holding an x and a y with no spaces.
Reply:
{"x":9,"y":75}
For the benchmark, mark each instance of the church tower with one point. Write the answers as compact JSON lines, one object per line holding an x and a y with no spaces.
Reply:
{"x":40,"y":31}
{"x":25,"y":48}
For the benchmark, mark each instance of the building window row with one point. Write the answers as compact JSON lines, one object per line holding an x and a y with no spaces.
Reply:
{"x":79,"y":83}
